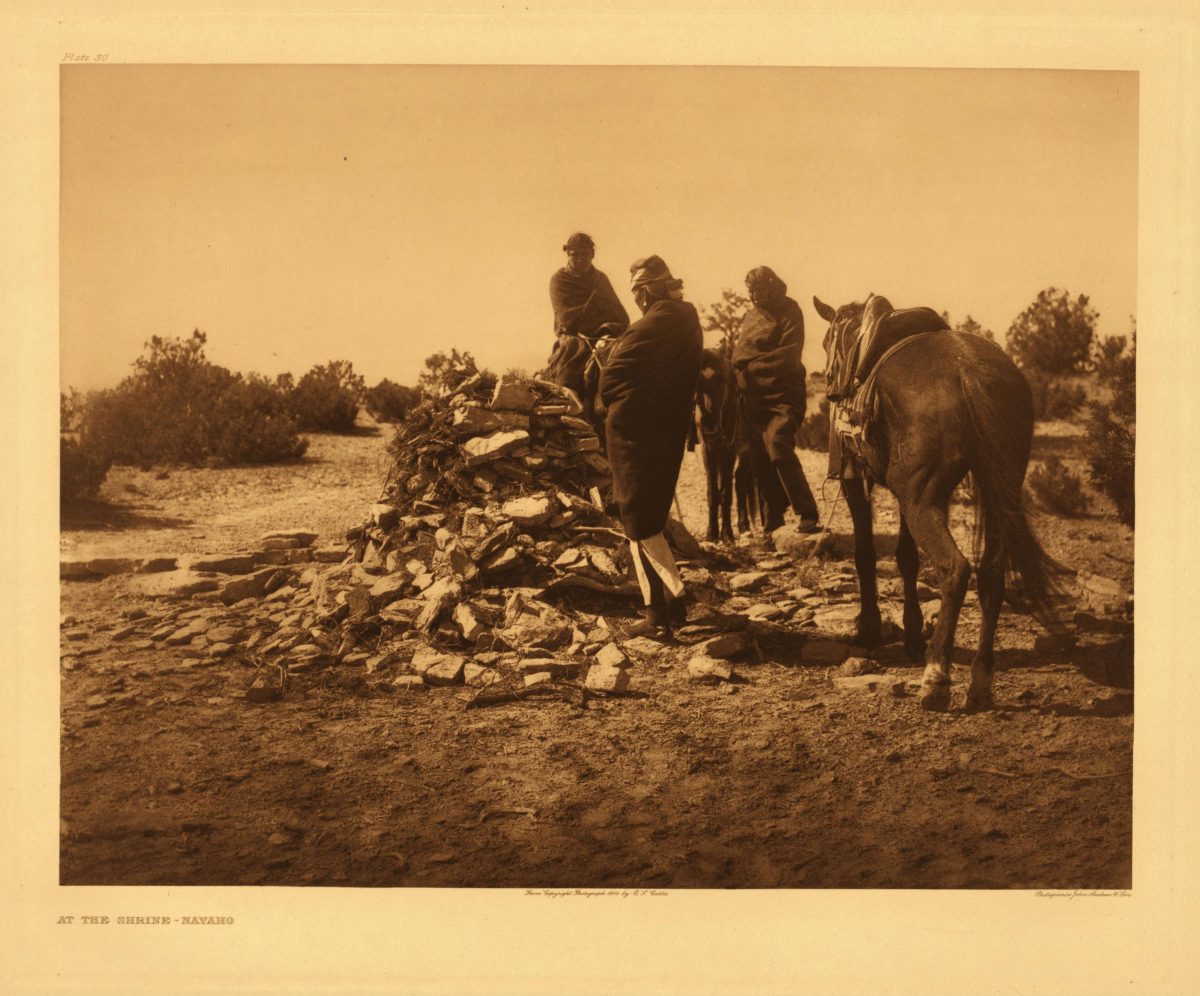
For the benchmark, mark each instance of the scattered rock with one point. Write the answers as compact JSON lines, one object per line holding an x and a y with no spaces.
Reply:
{"x":447,"y":671}
{"x":390,"y":587}
{"x":855,"y":666}
{"x":724,"y":646}
{"x":837,"y":618}
{"x":643,"y":647}
{"x":607,"y":678}
{"x":706,"y":669}
{"x":538,"y":678}
{"x":529,"y":511}
{"x":467,"y":622}
{"x":611,"y":655}
{"x":410,"y":683}
{"x":749,"y":581}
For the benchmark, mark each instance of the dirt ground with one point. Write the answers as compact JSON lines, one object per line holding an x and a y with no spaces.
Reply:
{"x":781,"y":780}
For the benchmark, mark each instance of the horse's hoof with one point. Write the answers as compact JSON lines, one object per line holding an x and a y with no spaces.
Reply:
{"x":914,"y":652}
{"x":935,"y":698}
{"x":867,"y":634}
{"x":980,"y":702}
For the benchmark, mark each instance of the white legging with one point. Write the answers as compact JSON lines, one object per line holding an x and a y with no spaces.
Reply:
{"x":658,"y":555}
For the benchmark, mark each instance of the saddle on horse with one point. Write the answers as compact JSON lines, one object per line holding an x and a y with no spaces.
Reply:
{"x":883,"y":331}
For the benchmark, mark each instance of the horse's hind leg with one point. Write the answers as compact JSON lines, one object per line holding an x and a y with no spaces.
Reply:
{"x":712,"y":470}
{"x":743,"y":487}
{"x":726,"y":490}
{"x":908,"y":561}
{"x":990,"y":582}
{"x":867,"y":633}
{"x":929,"y":526}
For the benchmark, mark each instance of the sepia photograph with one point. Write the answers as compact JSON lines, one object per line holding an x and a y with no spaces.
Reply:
{"x":597,"y":477}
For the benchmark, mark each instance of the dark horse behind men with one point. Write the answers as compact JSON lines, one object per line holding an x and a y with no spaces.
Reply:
{"x":728,"y":469}
{"x":948,"y":404}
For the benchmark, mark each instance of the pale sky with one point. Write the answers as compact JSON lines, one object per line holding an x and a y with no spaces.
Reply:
{"x":299,"y":214}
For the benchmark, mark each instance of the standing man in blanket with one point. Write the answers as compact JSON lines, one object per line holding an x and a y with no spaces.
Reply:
{"x":771,"y":389}
{"x":649,"y":387}
{"x":584,"y":304}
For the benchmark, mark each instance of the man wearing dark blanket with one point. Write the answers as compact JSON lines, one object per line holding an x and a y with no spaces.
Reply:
{"x":584,"y":304}
{"x":771,"y":392}
{"x":648,"y":387}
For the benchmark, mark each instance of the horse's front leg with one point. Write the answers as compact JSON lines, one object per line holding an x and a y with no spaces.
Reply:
{"x":867,"y":633}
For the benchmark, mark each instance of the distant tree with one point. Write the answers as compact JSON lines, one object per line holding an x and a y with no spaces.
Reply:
{"x":725,"y":316}
{"x":969,"y":324}
{"x":326,"y":398}
{"x":445,"y":371}
{"x":1054,"y":334}
{"x":1111,"y":436}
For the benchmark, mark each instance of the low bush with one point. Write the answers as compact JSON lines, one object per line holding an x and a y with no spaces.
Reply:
{"x":1058,"y":488}
{"x":390,"y":402}
{"x":814,"y":430}
{"x":178,"y":408}
{"x":1054,"y":398}
{"x":80,"y":471}
{"x":326,"y":398}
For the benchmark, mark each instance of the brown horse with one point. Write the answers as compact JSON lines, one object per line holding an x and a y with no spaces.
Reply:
{"x":948,"y":404}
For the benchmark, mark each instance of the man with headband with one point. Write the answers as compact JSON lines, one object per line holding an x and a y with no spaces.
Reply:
{"x":767,"y":357}
{"x":649,"y":387}
{"x":584,"y":304}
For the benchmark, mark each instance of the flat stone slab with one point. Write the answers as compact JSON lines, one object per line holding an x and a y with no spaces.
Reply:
{"x":748,"y":581}
{"x":303,"y":536}
{"x":236,"y":564}
{"x":174,"y":583}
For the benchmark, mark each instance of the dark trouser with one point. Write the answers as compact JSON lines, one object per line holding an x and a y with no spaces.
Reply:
{"x":779,"y":472}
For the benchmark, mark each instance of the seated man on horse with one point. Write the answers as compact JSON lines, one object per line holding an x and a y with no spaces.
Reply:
{"x":585,"y":307}
{"x":767,"y":356}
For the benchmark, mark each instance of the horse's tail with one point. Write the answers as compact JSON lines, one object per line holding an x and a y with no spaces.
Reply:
{"x":1000,"y":414}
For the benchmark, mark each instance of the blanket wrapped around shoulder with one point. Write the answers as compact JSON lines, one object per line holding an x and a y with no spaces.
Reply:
{"x":768,"y":359}
{"x":648,"y":387}
{"x":584,"y":302}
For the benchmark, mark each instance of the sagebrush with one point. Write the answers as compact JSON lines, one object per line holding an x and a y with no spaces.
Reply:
{"x":1058,"y":488}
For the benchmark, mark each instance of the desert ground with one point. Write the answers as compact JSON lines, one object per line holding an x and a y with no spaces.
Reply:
{"x":783,"y":778}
